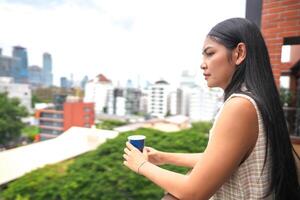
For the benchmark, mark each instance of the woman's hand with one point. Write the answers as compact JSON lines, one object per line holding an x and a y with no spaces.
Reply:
{"x":134,"y":159}
{"x":154,"y":156}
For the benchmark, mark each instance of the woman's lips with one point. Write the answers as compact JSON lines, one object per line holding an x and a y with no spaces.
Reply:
{"x":206,"y":76}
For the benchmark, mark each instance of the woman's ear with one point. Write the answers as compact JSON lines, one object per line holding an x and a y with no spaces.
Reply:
{"x":240,"y":53}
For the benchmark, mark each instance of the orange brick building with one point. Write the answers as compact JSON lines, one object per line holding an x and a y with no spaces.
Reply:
{"x":78,"y":114}
{"x":53,"y":122}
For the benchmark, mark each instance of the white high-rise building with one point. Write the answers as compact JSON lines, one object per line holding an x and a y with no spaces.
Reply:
{"x":144,"y":101}
{"x":204,"y":103}
{"x":120,"y":106}
{"x":158,"y":99}
{"x":198,"y":102}
{"x":124,"y":101}
{"x":173,"y":102}
{"x":17,"y":90}
{"x":110,"y":101}
{"x":96,"y":91}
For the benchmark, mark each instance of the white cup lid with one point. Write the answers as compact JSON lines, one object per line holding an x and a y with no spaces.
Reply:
{"x":136,"y":137}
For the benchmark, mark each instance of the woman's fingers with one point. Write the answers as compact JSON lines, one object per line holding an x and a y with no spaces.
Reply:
{"x":127,"y":151}
{"x":130,"y":146}
{"x":148,"y":149}
{"x":125,"y":156}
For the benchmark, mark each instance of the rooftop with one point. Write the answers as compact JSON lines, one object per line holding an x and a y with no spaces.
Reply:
{"x":14,"y":163}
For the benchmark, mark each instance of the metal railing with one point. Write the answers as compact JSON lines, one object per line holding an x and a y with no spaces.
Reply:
{"x":292,"y":116}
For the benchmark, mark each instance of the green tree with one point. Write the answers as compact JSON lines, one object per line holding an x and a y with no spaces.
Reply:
{"x":11,"y":113}
{"x":30,"y":132}
{"x":35,"y":99}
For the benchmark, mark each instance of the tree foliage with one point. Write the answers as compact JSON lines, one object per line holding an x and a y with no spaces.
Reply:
{"x":46,"y":95}
{"x":110,"y":124}
{"x":30,"y":132}
{"x":35,"y":99}
{"x":11,"y":113}
{"x":100,"y":174}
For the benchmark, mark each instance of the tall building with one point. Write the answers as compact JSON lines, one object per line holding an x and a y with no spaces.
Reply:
{"x":118,"y":102}
{"x":144,"y":101}
{"x":158,"y":99}
{"x":64,"y":82}
{"x":9,"y":66}
{"x":84,"y":81}
{"x":173,"y":103}
{"x":35,"y":76}
{"x":198,"y":103}
{"x":47,"y":69}
{"x":124,"y":101}
{"x":96,"y":91}
{"x":22,"y":66}
{"x":133,"y":97}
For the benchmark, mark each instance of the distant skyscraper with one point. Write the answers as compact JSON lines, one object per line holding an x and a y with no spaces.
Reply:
{"x":64,"y":82}
{"x":9,"y":66}
{"x":35,"y":76}
{"x":83,"y":82}
{"x":47,"y":69}
{"x":22,"y":66}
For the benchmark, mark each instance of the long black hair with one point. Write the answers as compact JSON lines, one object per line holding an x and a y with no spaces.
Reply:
{"x":255,"y":73}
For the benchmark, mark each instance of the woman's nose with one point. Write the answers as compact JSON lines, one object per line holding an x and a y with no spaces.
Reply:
{"x":203,"y":66}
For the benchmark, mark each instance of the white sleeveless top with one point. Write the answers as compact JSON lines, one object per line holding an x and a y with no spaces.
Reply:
{"x":248,"y":182}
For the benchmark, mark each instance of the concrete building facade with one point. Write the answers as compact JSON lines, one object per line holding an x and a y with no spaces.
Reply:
{"x":158,"y":99}
{"x":53,"y":122}
{"x":96,"y":91}
{"x":17,"y":90}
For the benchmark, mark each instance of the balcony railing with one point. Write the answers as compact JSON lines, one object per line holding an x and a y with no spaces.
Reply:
{"x":292,"y":116}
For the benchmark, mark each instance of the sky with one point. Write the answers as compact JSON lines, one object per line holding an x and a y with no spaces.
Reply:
{"x":141,"y":40}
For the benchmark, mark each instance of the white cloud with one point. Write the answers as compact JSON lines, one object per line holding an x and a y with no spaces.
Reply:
{"x":121,"y":39}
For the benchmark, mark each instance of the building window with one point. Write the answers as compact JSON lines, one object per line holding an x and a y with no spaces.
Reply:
{"x":87,"y":109}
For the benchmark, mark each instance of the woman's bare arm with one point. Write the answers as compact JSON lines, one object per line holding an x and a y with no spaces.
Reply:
{"x":234,"y":136}
{"x":181,"y":159}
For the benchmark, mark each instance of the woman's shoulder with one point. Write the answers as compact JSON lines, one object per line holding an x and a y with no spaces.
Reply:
{"x":239,"y":108}
{"x":239,"y":104}
{"x":238,"y":116}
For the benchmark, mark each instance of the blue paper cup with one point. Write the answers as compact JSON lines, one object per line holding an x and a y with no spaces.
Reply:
{"x":138,"y":141}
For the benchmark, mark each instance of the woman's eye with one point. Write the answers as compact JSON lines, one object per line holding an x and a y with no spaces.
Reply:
{"x":209,"y":53}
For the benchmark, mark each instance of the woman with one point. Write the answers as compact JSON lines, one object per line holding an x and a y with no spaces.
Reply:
{"x":249,"y":154}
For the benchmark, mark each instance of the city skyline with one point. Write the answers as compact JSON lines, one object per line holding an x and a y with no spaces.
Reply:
{"x":136,"y":40}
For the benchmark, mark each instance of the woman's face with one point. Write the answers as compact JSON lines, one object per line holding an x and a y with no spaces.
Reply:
{"x":217,"y":66}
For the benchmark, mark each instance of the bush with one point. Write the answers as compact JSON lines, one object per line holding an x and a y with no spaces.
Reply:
{"x":101,"y":175}
{"x":110,"y":124}
{"x":30,"y":132}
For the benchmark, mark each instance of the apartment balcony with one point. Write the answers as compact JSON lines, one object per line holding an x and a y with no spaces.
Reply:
{"x":51,"y":127}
